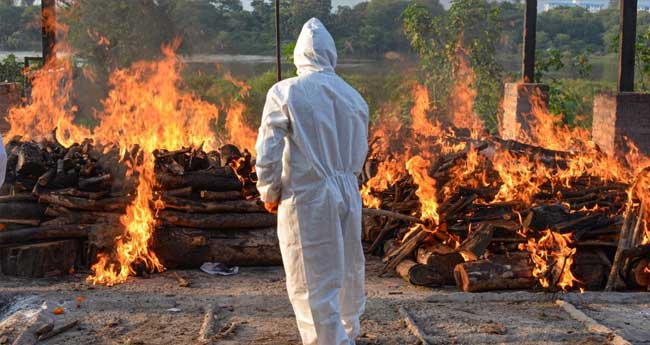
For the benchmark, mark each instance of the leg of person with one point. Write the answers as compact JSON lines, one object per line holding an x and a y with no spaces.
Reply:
{"x":353,"y":299}
{"x":312,"y":253}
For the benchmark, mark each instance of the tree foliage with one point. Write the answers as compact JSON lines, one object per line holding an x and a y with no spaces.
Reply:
{"x":470,"y":31}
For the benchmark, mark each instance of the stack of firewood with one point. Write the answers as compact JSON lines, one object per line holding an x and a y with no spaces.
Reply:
{"x":60,"y":206}
{"x":212,"y":210}
{"x":479,"y":244}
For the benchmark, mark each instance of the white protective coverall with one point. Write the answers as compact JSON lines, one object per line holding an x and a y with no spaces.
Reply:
{"x":3,"y":162}
{"x":311,"y":146}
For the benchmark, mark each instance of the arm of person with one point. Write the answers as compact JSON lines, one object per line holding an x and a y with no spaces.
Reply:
{"x":270,"y":147}
{"x":3,"y":162}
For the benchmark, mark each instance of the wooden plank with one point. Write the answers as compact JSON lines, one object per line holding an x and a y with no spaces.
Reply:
{"x":189,"y":248}
{"x":40,"y":259}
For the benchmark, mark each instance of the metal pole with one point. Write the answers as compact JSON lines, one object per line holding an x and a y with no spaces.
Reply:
{"x":530,"y":29}
{"x":278,"y":55}
{"x":626,"y":49}
{"x":48,"y":28}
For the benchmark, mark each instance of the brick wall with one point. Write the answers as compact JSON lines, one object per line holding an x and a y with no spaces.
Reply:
{"x":10,"y":95}
{"x":619,"y":115}
{"x":517,"y":106}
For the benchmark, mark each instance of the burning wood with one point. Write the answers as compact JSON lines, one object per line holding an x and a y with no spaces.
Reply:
{"x":558,"y":204}
{"x":87,"y":192}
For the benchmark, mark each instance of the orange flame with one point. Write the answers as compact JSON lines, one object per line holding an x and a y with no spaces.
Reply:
{"x":553,"y":259}
{"x":239,"y":133}
{"x":461,"y":104}
{"x":426,"y":192}
{"x":144,"y":109}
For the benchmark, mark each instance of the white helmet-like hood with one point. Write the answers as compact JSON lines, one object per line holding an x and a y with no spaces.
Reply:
{"x":315,"y":49}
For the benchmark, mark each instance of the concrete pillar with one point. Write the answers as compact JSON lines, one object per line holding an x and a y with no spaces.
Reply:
{"x":10,"y":95}
{"x":620,"y":115}
{"x":518,"y":105}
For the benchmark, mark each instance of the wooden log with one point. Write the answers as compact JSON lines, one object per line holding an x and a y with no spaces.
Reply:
{"x":455,"y":208}
{"x":443,"y":264}
{"x":96,"y":183}
{"x":221,"y":196}
{"x":30,"y":160}
{"x":190,"y":248}
{"x":22,"y":197}
{"x":109,"y":204}
{"x":388,"y":227}
{"x":640,"y":273}
{"x":232,"y":206}
{"x":642,"y":250}
{"x":483,"y":275}
{"x":589,"y":269}
{"x":16,"y":211}
{"x":57,"y":211}
{"x":213,"y":180}
{"x":624,"y":243}
{"x":184,"y":192}
{"x":477,"y":242}
{"x":418,"y":274}
{"x":390,"y":214}
{"x":40,"y":259}
{"x":218,"y":221}
{"x":45,"y":233}
{"x":84,"y":218}
{"x":405,"y":249}
{"x":20,"y":221}
{"x":160,"y":154}
{"x":81,"y":194}
{"x":546,"y":216}
{"x":45,"y":179}
{"x":530,"y":150}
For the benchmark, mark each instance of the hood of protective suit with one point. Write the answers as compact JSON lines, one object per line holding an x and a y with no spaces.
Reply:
{"x":315,"y":49}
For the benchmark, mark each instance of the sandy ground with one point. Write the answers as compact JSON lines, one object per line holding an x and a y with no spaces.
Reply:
{"x":156,"y":310}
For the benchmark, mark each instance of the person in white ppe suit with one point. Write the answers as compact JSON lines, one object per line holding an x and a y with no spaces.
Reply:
{"x":3,"y":162}
{"x":311,"y":146}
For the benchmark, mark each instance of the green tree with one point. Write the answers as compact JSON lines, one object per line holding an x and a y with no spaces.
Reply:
{"x":571,"y":29}
{"x":303,"y":10}
{"x":472,"y":25}
{"x":132,"y":30}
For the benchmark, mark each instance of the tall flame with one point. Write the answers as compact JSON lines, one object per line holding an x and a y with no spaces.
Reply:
{"x":461,"y":104}
{"x":144,"y":109}
{"x":418,"y":167}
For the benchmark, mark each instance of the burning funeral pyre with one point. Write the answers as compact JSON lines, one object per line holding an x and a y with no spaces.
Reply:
{"x":153,"y":163}
{"x":457,"y":206}
{"x":152,"y":186}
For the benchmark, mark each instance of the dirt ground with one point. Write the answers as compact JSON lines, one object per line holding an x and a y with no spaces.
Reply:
{"x":254,"y":305}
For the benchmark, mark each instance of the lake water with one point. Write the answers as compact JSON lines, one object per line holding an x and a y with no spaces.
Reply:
{"x":250,"y":65}
{"x":244,"y":66}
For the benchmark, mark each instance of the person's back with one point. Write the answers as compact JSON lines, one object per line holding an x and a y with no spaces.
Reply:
{"x":328,"y":134}
{"x":323,"y":122}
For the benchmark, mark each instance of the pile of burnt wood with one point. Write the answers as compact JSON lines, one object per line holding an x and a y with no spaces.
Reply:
{"x":60,"y":206}
{"x":480,"y":245}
